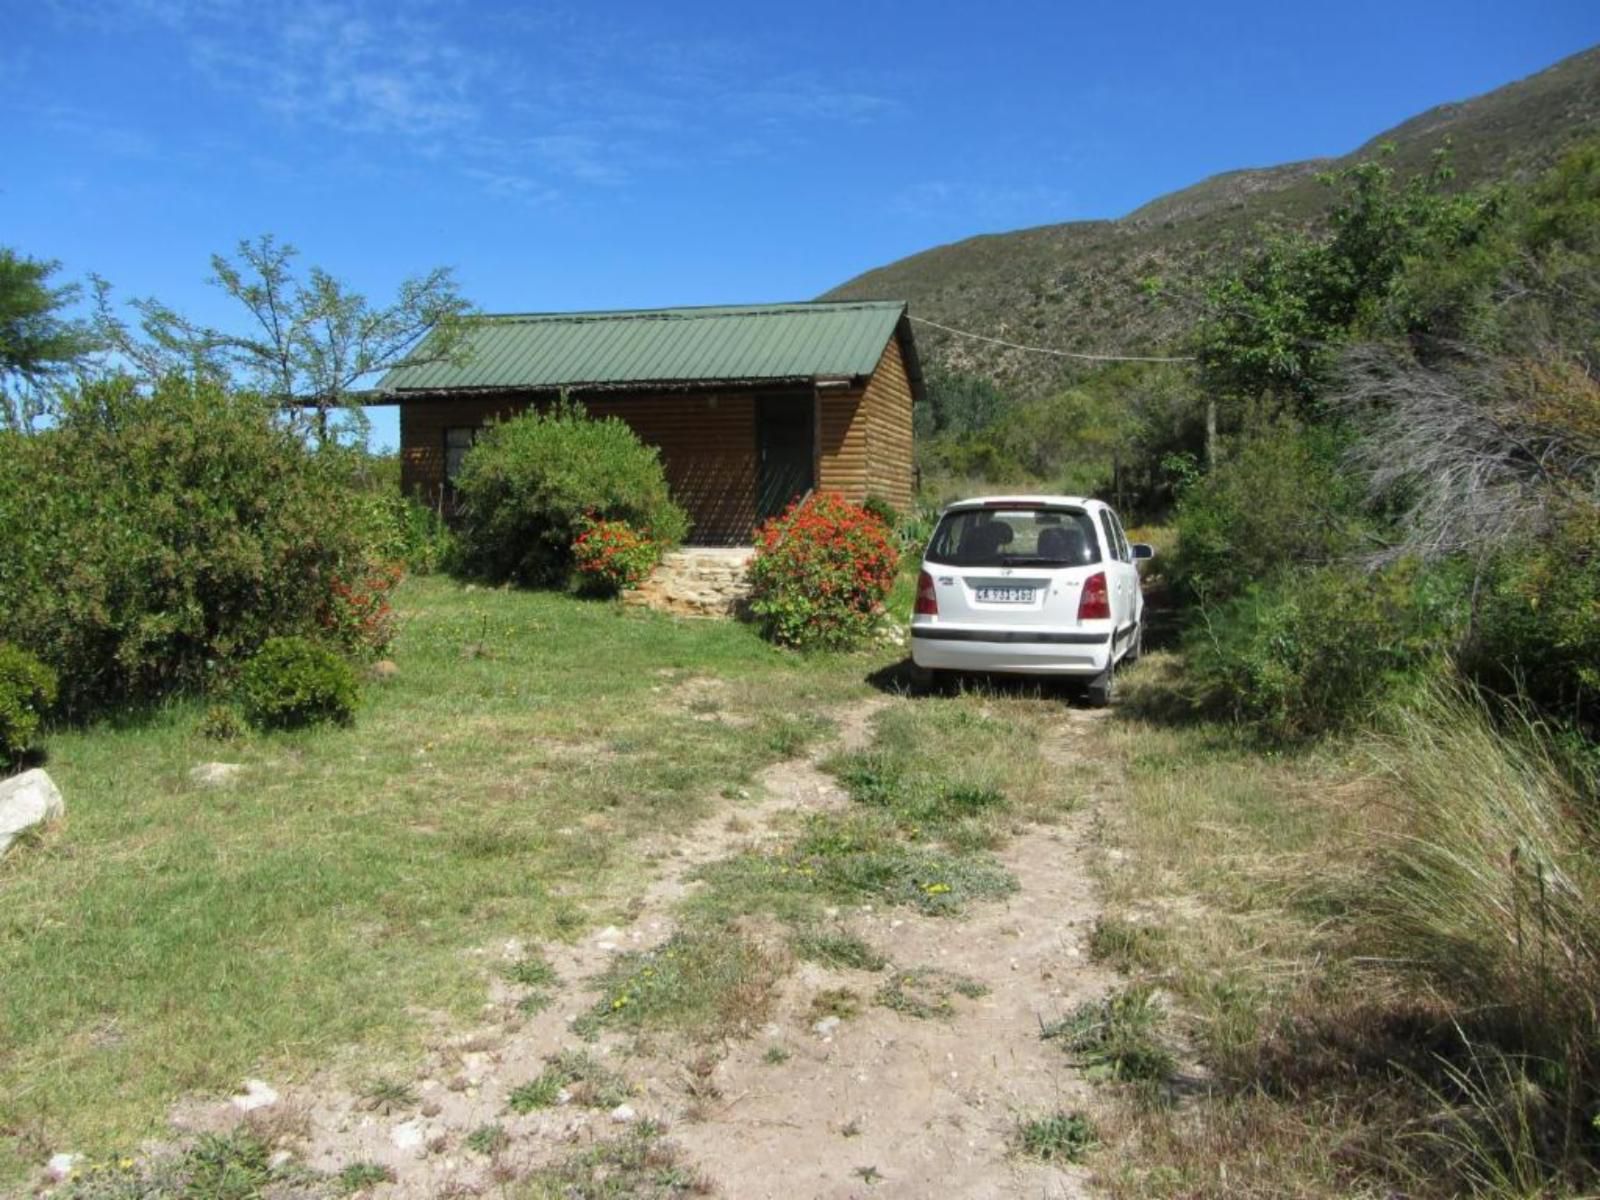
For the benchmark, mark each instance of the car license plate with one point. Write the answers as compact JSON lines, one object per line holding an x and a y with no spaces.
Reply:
{"x":1005,"y":595}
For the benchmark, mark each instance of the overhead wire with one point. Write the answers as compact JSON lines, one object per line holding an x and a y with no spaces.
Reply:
{"x":994,"y":341}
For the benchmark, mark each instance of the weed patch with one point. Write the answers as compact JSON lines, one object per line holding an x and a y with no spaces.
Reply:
{"x":235,"y":1166}
{"x":532,"y":970}
{"x":1059,"y":1137}
{"x":834,"y":948}
{"x":1118,"y":1037}
{"x":788,"y":735}
{"x":388,"y":1096}
{"x":843,"y":1003}
{"x":711,"y":980}
{"x":359,"y":1176}
{"x":638,"y":1166}
{"x":584,"y":1079}
{"x":488,"y":1140}
{"x":1128,"y":947}
{"x":925,"y":992}
{"x":852,"y":859}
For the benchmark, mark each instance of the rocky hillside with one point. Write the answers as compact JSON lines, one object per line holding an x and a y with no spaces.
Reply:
{"x":1132,"y":284}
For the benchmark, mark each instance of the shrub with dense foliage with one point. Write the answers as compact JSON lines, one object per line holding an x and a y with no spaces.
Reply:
{"x":402,"y":531}
{"x":609,"y":556}
{"x":821,"y":572}
{"x":1281,"y":500}
{"x":293,"y":682}
{"x":27,"y":690}
{"x":150,"y":541}
{"x":1317,"y":651}
{"x":529,"y":485}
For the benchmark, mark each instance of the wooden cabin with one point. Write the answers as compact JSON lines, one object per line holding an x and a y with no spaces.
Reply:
{"x":750,"y":406}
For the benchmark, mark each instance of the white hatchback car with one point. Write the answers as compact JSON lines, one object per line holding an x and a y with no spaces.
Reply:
{"x":1040,"y":585}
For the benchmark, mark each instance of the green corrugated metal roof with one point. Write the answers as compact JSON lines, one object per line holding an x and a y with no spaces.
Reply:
{"x":667,"y":346}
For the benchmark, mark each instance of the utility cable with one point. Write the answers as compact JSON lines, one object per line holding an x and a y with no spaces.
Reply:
{"x":994,"y":341}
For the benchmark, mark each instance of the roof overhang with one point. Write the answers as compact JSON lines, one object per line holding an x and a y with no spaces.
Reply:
{"x":579,"y":390}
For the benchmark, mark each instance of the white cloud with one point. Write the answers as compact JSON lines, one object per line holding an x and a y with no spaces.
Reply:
{"x":525,"y":102}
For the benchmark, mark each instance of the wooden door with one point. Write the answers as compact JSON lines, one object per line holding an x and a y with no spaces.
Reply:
{"x":785,"y":454}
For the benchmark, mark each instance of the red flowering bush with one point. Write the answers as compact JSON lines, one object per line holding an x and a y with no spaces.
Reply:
{"x":821,"y":572}
{"x":358,"y":614}
{"x":612,"y":555}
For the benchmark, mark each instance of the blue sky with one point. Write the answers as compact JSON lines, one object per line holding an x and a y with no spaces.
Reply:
{"x":636,"y":154}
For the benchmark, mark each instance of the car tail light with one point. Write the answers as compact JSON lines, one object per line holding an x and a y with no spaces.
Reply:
{"x":927,"y":598}
{"x":1095,"y":602}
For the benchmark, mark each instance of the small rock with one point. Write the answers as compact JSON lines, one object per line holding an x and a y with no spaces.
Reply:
{"x":215,"y":774}
{"x":256,"y":1094}
{"x":826,"y":1026}
{"x":62,"y":1165}
{"x":27,"y":800}
{"x":407,"y":1136}
{"x":280,"y":1160}
{"x":623,"y":1113}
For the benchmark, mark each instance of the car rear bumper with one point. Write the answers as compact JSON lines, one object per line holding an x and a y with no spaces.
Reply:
{"x":1015,"y":648}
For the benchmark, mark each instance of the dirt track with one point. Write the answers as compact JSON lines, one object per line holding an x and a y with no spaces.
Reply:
{"x":882,"y":1105}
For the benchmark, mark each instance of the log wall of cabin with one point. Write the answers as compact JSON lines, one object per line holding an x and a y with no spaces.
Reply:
{"x":707,"y":445}
{"x":886,"y":412}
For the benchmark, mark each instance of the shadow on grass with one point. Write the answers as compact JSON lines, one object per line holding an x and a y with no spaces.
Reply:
{"x":901,"y":679}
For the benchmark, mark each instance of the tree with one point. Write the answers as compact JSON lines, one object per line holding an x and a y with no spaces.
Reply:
{"x":1274,"y":325}
{"x":37,"y":344}
{"x":309,"y":341}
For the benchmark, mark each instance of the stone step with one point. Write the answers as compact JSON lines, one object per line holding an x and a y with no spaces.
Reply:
{"x":696,"y":582}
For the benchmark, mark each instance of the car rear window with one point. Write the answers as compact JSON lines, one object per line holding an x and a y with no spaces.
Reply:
{"x":1015,"y":537}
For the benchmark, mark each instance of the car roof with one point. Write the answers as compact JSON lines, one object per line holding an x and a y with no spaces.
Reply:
{"x":987,"y":501}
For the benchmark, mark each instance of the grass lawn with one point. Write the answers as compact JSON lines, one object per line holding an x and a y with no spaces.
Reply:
{"x":172,"y":938}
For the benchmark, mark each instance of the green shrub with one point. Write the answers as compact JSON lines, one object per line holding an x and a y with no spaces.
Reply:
{"x":1536,"y":633}
{"x":27,"y":690}
{"x":820,"y":573}
{"x":293,"y":682}
{"x":528,"y":486}
{"x":1316,"y":651}
{"x":150,"y":541}
{"x":1282,"y":500}
{"x":399,"y":530}
{"x":221,"y":724}
{"x":883,"y":510}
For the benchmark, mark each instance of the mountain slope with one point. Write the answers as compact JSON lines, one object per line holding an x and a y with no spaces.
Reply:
{"x":1131,"y":285}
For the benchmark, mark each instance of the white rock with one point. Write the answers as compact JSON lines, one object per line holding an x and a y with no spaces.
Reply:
{"x":62,"y":1165}
{"x":623,"y":1113}
{"x":27,"y":800}
{"x":825,"y":1026}
{"x":214,"y":774}
{"x":408,"y":1136}
{"x":280,"y":1160}
{"x":256,"y":1094}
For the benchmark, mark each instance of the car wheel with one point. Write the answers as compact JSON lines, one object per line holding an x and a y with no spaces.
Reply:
{"x":929,"y":680}
{"x":1102,"y":688}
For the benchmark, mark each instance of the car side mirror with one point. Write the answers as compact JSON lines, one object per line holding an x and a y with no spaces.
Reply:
{"x":1142,"y":550}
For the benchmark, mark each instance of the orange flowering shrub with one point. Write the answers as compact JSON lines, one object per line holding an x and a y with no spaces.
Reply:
{"x":358,"y":614}
{"x":612,"y":555}
{"x":821,"y":572}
